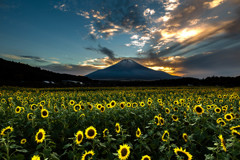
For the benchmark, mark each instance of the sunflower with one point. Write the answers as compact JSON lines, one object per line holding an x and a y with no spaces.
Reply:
{"x":71,"y":102}
{"x":113,"y":103}
{"x":185,"y":137}
{"x":222,"y":123}
{"x":149,"y":102}
{"x":33,"y":107}
{"x":117,"y":128}
{"x":105,"y":132}
{"x":175,"y":118}
{"x":56,"y":109}
{"x":82,"y":107}
{"x":42,"y":103}
{"x":217,"y":110}
{"x":40,"y":136}
{"x":236,"y":134}
{"x":124,"y":152}
{"x":102,"y":109}
{"x":23,"y":141}
{"x":35,"y":157}
{"x":198,"y":109}
{"x":99,"y":106}
{"x":156,"y":120}
{"x":108,"y":105}
{"x":44,"y":113}
{"x":40,"y":106}
{"x":30,"y":116}
{"x":88,"y":155}
{"x":79,"y":137}
{"x":223,"y":144}
{"x":90,"y":107}
{"x":18,"y":109}
{"x":235,"y":127}
{"x":142,"y":104}
{"x":91,"y":132}
{"x":6,"y":130}
{"x":165,"y":136}
{"x":209,"y":107}
{"x":218,"y":120}
{"x":77,"y":107}
{"x":161,"y":120}
{"x":167,"y":110}
{"x":146,"y":157}
{"x":138,"y":133}
{"x":129,"y":104}
{"x":134,"y":105}
{"x":122,"y":105}
{"x":175,"y":109}
{"x":182,"y":153}
{"x":228,"y":117}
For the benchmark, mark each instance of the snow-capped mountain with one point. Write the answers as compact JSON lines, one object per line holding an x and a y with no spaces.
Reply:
{"x":128,"y":69}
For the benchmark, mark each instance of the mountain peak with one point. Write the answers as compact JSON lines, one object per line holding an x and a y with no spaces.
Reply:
{"x":128,"y":69}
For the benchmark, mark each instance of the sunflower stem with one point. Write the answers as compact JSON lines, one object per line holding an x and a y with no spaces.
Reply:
{"x":7,"y":147}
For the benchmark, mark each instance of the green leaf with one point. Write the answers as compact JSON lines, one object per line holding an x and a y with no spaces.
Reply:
{"x":67,"y":146}
{"x":22,"y":150}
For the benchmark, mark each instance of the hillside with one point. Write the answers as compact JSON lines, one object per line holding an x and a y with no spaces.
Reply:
{"x":13,"y":73}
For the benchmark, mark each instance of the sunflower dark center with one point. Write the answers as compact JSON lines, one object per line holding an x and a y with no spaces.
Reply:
{"x":117,"y":128}
{"x":228,"y":117}
{"x":145,"y":159}
{"x":161,"y":121}
{"x":89,"y":106}
{"x":138,"y":132}
{"x":181,"y":154}
{"x":112,"y":103}
{"x":91,"y":132}
{"x":7,"y":130}
{"x":102,"y":109}
{"x":122,"y":105}
{"x":79,"y":137}
{"x":218,"y":110}
{"x":82,"y":107}
{"x":237,"y":135}
{"x":199,"y":109}
{"x":18,"y":109}
{"x":175,"y":117}
{"x":124,"y":152}
{"x":185,"y":136}
{"x":44,"y":113}
{"x":40,"y":135}
{"x":77,"y":107}
{"x":156,"y":120}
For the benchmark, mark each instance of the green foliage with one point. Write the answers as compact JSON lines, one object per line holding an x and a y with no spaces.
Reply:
{"x":64,"y":120}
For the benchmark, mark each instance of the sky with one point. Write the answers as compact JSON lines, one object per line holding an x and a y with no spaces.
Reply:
{"x":189,"y":38}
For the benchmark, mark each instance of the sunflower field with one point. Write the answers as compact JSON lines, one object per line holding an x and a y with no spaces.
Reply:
{"x":120,"y":123}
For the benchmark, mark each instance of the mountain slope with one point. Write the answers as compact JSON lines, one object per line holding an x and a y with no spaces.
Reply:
{"x":129,"y":70}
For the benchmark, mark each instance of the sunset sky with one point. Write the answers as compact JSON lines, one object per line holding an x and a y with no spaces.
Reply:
{"x":192,"y":38}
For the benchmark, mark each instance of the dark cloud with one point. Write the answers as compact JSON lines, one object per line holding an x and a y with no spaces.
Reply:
{"x":35,"y":58}
{"x":103,"y":50}
{"x":70,"y":69}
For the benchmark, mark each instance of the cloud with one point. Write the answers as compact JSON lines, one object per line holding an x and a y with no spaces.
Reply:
{"x":148,"y":12}
{"x":213,"y":4}
{"x":103,"y":50}
{"x":31,"y":58}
